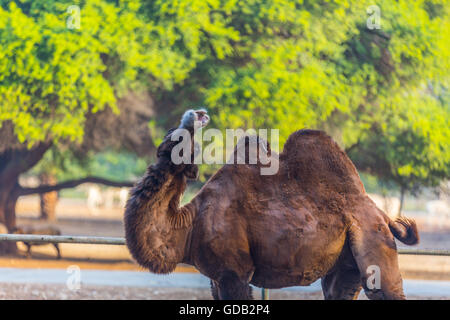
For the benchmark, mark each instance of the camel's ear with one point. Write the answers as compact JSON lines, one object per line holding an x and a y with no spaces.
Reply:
{"x":169,"y":133}
{"x":166,"y":145}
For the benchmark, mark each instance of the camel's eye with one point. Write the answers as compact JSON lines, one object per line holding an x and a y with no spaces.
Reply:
{"x":202,"y":117}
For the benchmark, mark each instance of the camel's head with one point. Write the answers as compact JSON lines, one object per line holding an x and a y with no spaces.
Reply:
{"x":177,"y":149}
{"x":192,"y":120}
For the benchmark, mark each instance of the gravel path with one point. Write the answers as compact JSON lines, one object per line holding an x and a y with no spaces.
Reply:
{"x":16,"y":291}
{"x":90,"y":292}
{"x":18,"y":283}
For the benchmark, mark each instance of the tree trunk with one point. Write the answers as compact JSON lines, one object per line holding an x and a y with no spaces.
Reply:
{"x":14,"y":162}
{"x":49,"y":200}
{"x":8,"y":195}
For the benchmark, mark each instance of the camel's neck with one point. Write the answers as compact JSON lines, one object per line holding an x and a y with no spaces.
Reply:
{"x":156,"y":227}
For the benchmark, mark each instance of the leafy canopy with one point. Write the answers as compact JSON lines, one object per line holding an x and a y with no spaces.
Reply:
{"x":257,"y":64}
{"x":52,"y":76}
{"x":294,"y":64}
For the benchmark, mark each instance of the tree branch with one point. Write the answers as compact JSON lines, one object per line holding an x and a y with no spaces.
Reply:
{"x":353,"y":146}
{"x":72,"y":184}
{"x":14,"y":162}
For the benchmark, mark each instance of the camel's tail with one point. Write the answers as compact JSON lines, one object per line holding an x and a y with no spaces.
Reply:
{"x":405,"y":230}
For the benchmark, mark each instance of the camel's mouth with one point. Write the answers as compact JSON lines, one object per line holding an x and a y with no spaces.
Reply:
{"x":202,"y":117}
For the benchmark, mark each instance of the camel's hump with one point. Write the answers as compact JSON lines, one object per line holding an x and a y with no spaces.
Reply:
{"x":314,"y":157}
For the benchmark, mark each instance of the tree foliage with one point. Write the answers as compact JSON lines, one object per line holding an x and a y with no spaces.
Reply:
{"x":284,"y":64}
{"x":52,"y":77}
{"x":109,"y":164}
{"x":407,"y":142}
{"x":295,"y":64}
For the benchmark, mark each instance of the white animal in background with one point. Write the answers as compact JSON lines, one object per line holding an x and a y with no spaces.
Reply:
{"x":109,"y":196}
{"x":115,"y":197}
{"x":123,"y":196}
{"x":94,"y":199}
{"x":29,"y":182}
{"x":390,"y":205}
{"x":438,"y":212}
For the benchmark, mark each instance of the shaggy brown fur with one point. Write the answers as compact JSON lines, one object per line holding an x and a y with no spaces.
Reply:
{"x":47,"y":230}
{"x":311,"y":220}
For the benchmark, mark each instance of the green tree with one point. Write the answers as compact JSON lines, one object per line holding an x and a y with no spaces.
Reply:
{"x":64,"y":88}
{"x":256,"y":64}
{"x":408,"y":147}
{"x":295,"y":64}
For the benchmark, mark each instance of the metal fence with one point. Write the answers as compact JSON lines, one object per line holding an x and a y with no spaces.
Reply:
{"x":61,"y":239}
{"x":121,"y":241}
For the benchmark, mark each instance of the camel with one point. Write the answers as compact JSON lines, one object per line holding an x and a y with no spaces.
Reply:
{"x":311,"y":220}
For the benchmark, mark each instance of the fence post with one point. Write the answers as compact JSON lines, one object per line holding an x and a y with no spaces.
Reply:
{"x":264,"y":294}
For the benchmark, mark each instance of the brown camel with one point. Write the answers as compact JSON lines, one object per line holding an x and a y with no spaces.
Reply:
{"x":311,"y":220}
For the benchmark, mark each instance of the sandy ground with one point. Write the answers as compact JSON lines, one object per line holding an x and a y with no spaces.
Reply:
{"x":75,"y":219}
